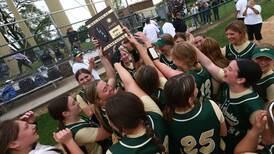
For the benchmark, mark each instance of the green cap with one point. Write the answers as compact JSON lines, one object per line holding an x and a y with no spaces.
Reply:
{"x":160,"y":43}
{"x":263,"y":52}
{"x":76,"y":53}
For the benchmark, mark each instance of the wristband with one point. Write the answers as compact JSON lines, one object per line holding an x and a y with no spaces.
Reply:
{"x":152,"y":53}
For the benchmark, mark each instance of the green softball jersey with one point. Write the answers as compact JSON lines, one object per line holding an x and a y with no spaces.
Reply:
{"x":142,"y":144}
{"x":231,"y":53}
{"x":263,"y":84}
{"x":268,"y":149}
{"x":203,"y":82}
{"x":85,"y":136}
{"x":237,"y":112}
{"x":160,"y":93}
{"x":197,"y":131}
{"x":169,"y":63}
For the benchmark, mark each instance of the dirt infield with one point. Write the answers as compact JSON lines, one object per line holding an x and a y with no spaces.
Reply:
{"x":268,"y":31}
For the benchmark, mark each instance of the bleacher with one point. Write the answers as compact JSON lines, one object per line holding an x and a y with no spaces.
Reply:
{"x":37,"y":95}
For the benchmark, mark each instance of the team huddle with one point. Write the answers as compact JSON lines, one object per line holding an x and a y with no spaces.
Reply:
{"x":180,"y":94}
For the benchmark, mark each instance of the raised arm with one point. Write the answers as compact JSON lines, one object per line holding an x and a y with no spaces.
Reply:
{"x":213,"y":69}
{"x":143,"y":51}
{"x":105,"y":62}
{"x":163,"y":70}
{"x":131,"y":86}
{"x":109,"y":70}
{"x":166,"y":70}
{"x":129,"y":82}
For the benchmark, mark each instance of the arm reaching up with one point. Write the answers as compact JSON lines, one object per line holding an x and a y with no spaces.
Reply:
{"x":105,"y":62}
{"x":131,"y":86}
{"x":143,"y":52}
{"x":163,"y":70}
{"x":213,"y":69}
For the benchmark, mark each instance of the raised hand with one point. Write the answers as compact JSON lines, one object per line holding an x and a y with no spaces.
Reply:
{"x":95,"y":42}
{"x":126,"y":30}
{"x":63,"y":136}
{"x":141,"y":36}
{"x":29,"y":117}
{"x":260,"y":122}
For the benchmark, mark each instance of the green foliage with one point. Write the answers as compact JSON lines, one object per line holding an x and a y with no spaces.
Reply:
{"x":12,"y":32}
{"x":82,"y":33}
{"x":87,"y":45}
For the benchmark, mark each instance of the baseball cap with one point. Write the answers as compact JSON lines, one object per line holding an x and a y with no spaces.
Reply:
{"x":263,"y":52}
{"x":160,"y":43}
{"x":76,"y":53}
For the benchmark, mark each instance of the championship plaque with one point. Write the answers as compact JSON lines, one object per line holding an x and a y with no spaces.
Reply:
{"x":106,"y":28}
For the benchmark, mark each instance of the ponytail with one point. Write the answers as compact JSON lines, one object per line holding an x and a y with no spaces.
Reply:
{"x":150,"y":134}
{"x":168,"y":112}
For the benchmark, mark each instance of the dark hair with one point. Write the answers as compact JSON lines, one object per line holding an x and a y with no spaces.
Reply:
{"x":56,"y":109}
{"x":147,"y":20}
{"x":126,"y":111}
{"x":79,"y":72}
{"x":180,"y":35}
{"x":9,"y":130}
{"x":249,"y":70}
{"x":147,"y":79}
{"x":211,"y":49}
{"x":168,"y":39}
{"x":178,"y":90}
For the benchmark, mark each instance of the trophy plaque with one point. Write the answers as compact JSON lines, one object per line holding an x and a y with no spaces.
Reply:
{"x":106,"y":28}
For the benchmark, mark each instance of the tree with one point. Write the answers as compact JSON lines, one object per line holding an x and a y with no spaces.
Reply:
{"x":38,"y":26}
{"x":83,"y":33}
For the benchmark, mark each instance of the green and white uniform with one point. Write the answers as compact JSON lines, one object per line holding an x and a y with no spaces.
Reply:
{"x":160,"y":93}
{"x":237,"y":109}
{"x":143,"y":144}
{"x":203,"y":83}
{"x":265,"y":86}
{"x":196,"y":131}
{"x":231,"y":53}
{"x":168,"y":62}
{"x":84,"y":135}
{"x":268,"y":149}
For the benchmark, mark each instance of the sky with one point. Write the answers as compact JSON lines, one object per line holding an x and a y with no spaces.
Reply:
{"x":82,"y":13}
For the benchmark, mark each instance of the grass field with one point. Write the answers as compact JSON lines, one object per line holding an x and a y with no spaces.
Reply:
{"x":46,"y":125}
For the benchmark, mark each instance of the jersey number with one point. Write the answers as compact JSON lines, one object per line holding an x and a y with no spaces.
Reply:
{"x":205,"y":89}
{"x":207,"y":143}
